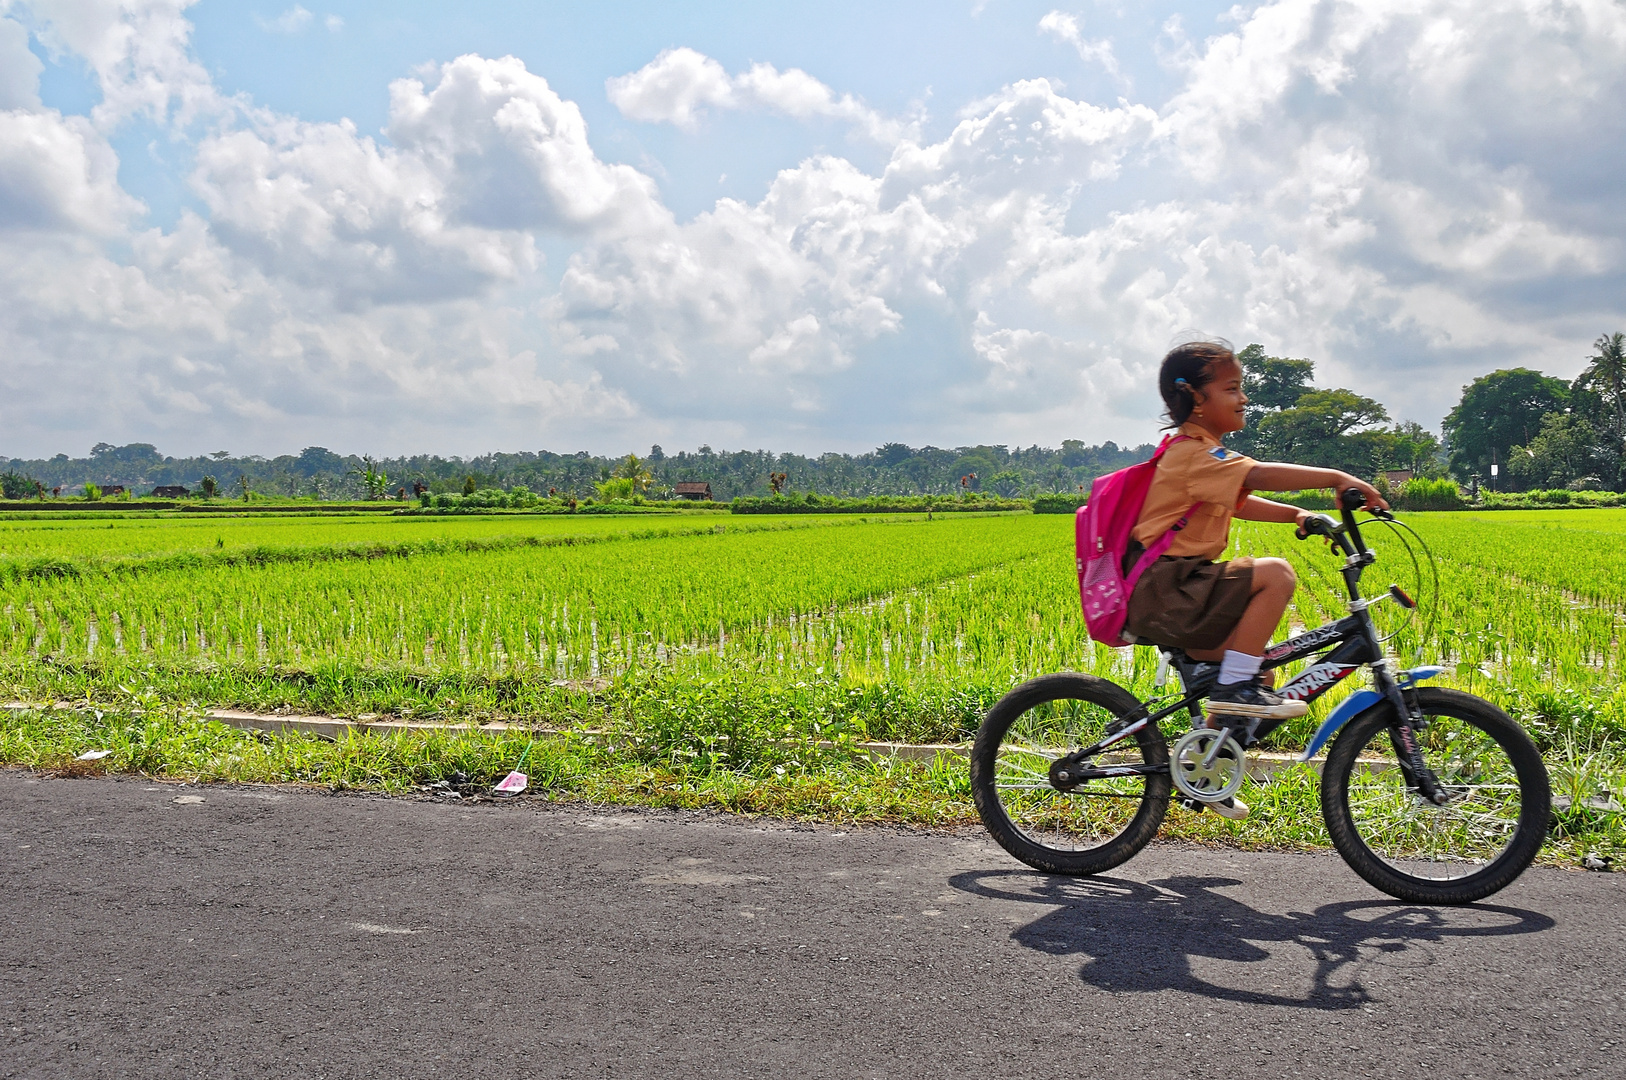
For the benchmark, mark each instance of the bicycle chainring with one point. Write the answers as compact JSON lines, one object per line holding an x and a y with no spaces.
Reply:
{"x":1207,"y":765}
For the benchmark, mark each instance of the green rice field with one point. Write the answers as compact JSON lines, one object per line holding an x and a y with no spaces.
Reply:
{"x":84,"y":536}
{"x":678,"y":630}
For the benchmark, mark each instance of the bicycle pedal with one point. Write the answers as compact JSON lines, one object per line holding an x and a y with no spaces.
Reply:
{"x":1246,"y":735}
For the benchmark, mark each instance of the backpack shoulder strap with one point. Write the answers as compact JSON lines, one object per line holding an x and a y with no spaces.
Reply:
{"x":1168,"y":441}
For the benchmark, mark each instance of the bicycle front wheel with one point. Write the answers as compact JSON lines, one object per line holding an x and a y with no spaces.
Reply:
{"x":1478,"y":841}
{"x":1086,"y":829}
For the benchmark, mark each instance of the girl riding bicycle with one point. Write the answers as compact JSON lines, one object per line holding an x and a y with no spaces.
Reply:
{"x":1218,"y":611}
{"x":1431,"y":794}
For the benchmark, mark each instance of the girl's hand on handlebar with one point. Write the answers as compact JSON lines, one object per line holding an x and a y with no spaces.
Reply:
{"x":1374,"y":501}
{"x":1310,"y":524}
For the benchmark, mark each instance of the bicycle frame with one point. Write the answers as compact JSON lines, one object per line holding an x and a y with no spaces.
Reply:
{"x":1348,"y":644}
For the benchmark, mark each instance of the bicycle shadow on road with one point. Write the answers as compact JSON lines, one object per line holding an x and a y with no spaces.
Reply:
{"x":1146,"y":937}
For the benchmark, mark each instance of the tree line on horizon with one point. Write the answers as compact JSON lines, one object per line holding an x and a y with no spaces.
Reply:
{"x":1538,"y":431}
{"x":892,"y":469}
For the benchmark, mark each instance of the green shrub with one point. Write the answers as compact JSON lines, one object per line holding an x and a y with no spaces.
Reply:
{"x":1420,"y":494}
{"x":1319,"y":501}
{"x":1059,"y":503}
{"x":1553,"y":497}
{"x":616,"y":489}
{"x":17,"y":486}
{"x":810,"y":503}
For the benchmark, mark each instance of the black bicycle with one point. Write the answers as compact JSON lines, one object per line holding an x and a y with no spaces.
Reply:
{"x":1432,"y":795}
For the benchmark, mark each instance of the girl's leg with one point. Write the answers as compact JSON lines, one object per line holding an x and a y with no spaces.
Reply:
{"x":1273,"y":584}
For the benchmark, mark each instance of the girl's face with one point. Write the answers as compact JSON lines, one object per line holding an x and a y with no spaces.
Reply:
{"x":1221,"y":404}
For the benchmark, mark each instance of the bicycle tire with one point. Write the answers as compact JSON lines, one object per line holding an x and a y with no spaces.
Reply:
{"x":1463,"y":851}
{"x":1090,"y":831}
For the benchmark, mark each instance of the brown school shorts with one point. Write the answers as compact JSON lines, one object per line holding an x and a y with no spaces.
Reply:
{"x":1190,"y":603}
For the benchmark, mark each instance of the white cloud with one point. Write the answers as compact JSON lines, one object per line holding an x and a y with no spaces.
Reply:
{"x":19,"y":68}
{"x":58,"y":174}
{"x":334,"y":23}
{"x":1065,"y":28}
{"x":675,"y":88}
{"x":478,"y":161}
{"x":291,"y":21}
{"x":1386,"y":187}
{"x":679,"y":85}
{"x":140,"y":52}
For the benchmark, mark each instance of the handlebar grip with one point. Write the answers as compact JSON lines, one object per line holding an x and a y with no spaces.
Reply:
{"x":1352,"y":499}
{"x":1316,"y":525}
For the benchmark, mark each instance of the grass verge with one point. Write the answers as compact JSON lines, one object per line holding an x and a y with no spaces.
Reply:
{"x":636,"y":766}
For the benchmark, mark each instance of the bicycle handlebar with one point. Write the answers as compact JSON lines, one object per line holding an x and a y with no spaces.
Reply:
{"x":1317,"y":525}
{"x":1346,"y":536}
{"x":1347,"y":539}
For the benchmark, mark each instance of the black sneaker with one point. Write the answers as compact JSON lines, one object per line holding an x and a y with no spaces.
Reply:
{"x":1251,"y":699}
{"x":1200,"y":676}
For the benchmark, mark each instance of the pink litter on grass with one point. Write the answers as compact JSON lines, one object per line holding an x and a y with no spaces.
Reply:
{"x":512,"y":784}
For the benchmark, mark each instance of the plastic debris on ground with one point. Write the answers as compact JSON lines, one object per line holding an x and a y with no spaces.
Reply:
{"x":512,"y":784}
{"x":516,"y":781}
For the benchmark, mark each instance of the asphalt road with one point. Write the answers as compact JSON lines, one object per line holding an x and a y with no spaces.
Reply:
{"x":282,"y":933}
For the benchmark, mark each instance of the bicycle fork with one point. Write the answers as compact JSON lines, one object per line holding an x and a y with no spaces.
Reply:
{"x":1403,"y":737}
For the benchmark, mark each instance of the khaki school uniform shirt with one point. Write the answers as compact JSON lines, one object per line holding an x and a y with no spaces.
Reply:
{"x":1196,"y":470}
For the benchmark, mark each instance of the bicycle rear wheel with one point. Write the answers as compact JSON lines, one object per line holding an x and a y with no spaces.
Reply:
{"x":1456,"y":853}
{"x":1093,"y":827}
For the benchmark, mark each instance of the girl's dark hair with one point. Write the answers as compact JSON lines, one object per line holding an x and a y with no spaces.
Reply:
{"x":1187,"y":369}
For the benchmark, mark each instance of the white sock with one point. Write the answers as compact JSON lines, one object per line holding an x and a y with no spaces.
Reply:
{"x":1238,"y":667}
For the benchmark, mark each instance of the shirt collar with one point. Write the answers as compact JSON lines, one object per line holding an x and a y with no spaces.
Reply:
{"x":1195,"y":431}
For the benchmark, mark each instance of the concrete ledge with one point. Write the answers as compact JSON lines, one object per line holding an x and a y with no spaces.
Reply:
{"x":330,"y":727}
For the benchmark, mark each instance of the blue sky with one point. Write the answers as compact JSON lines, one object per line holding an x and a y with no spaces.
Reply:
{"x":900,"y":58}
{"x":414,"y":227}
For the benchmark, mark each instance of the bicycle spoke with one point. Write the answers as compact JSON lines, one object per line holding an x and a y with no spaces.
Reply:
{"x":1439,"y":842}
{"x":1077,"y":820}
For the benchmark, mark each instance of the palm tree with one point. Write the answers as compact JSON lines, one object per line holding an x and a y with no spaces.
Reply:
{"x":1606,"y":370}
{"x":373,"y":478}
{"x":1606,"y":373}
{"x":631,"y":468}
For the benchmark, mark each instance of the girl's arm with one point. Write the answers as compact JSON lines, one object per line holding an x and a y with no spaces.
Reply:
{"x":1257,"y":509}
{"x":1279,"y":476}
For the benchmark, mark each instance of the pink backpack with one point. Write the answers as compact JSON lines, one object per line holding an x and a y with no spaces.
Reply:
{"x":1103,"y":525}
